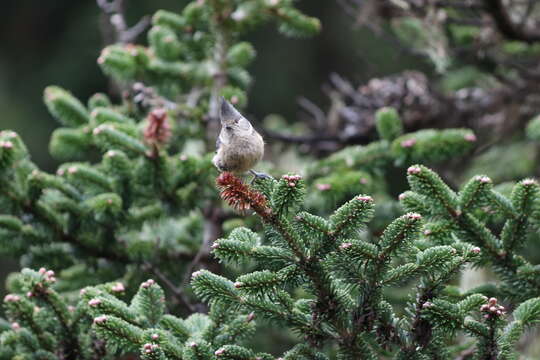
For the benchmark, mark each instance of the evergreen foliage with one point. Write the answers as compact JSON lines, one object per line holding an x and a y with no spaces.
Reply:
{"x":331,"y":256}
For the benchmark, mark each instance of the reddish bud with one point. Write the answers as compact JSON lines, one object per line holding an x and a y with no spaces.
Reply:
{"x":100,"y":319}
{"x":158,"y":130}
{"x":408,"y":143}
{"x":118,"y":287}
{"x":323,"y":187}
{"x":414,"y":170}
{"x":219,"y":352}
{"x":414,"y":216}
{"x":427,"y":304}
{"x":148,"y":283}
{"x":364,"y":198}
{"x":94,"y":302}
{"x":11,"y":298}
{"x":240,"y":196}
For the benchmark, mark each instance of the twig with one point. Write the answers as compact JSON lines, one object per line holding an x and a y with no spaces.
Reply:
{"x":315,"y":111}
{"x":317,"y":139}
{"x":506,"y":26}
{"x":211,"y":232}
{"x":115,"y":14}
{"x":466,"y":354}
{"x":221,"y":48}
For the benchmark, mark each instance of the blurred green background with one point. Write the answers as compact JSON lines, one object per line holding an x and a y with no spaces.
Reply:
{"x":57,"y":42}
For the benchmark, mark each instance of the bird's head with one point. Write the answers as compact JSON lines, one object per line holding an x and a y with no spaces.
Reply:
{"x":231,"y":119}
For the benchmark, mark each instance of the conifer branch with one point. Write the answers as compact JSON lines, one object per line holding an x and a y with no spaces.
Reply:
{"x":328,"y":264}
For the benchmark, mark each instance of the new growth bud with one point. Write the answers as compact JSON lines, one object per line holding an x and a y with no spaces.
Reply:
{"x":94,"y":302}
{"x":150,"y":348}
{"x":427,"y":304}
{"x":492,"y":309}
{"x":100,"y":319}
{"x":219,"y":352}
{"x":48,"y":276}
{"x":364,"y":198}
{"x":414,"y":170}
{"x":323,"y":187}
{"x":292,"y":179}
{"x":483,"y":179}
{"x":6,"y":144}
{"x":11,"y":298}
{"x":118,"y":287}
{"x":414,"y":216}
{"x":408,"y":143}
{"x":148,"y":283}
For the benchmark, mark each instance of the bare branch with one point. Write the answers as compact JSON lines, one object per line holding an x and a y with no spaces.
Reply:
{"x":312,"y":109}
{"x":115,"y":21}
{"x":505,"y":24}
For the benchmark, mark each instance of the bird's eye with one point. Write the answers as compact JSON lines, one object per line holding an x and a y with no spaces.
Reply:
{"x":228,"y":127}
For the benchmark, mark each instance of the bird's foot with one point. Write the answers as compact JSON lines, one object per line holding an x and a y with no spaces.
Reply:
{"x":259,"y":176}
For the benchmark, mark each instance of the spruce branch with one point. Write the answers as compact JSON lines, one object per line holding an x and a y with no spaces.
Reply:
{"x":241,"y":196}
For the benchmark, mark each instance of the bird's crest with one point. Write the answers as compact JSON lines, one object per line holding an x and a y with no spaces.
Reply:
{"x":228,"y":112}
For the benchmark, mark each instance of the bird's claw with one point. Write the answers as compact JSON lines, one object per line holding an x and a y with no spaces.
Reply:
{"x":259,"y":175}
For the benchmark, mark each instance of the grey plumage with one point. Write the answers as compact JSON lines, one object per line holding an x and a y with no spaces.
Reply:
{"x":239,"y":147}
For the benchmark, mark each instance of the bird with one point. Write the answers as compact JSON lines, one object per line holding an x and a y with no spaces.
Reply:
{"x":239,"y":147}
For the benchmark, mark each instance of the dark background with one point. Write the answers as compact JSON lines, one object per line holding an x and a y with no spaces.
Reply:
{"x":58,"y":41}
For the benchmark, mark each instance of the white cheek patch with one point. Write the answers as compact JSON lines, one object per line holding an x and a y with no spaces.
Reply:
{"x":243,"y":124}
